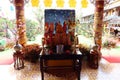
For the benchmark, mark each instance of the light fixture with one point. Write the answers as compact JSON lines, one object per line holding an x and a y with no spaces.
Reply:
{"x":105,"y":1}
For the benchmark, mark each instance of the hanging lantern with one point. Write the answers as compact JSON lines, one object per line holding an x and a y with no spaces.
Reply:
{"x":72,"y":3}
{"x":35,"y":3}
{"x":60,"y":3}
{"x":84,"y":3}
{"x":47,"y":3}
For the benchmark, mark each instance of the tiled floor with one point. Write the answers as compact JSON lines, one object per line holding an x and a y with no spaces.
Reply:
{"x":106,"y":71}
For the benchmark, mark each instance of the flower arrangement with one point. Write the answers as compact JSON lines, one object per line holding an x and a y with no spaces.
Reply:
{"x":84,"y":48}
{"x":31,"y":52}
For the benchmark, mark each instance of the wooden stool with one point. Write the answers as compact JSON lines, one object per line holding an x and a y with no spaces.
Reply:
{"x":94,"y":57}
{"x":18,"y":60}
{"x":93,"y":61}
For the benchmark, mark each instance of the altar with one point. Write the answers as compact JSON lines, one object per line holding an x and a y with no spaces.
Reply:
{"x":59,"y":44}
{"x":64,"y":61}
{"x":59,"y":35}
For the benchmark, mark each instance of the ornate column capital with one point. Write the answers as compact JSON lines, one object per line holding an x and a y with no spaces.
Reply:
{"x":105,"y":1}
{"x":25,"y":1}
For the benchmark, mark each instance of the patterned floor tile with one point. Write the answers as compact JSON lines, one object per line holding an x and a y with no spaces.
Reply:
{"x":106,"y":71}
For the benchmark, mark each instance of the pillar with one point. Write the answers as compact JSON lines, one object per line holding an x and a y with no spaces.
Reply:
{"x":98,"y":22}
{"x":20,"y":22}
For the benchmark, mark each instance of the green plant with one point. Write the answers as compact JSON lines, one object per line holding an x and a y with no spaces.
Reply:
{"x":32,"y":29}
{"x":109,"y":44}
{"x":86,"y":30}
{"x":6,"y":24}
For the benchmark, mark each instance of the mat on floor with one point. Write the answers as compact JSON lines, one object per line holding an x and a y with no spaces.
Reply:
{"x":112,"y":59}
{"x":6,"y":57}
{"x":6,"y":61}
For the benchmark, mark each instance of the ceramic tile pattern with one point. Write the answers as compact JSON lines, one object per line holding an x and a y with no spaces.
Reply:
{"x":106,"y":71}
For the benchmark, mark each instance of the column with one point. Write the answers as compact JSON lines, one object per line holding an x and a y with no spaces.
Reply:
{"x":98,"y":22}
{"x":20,"y":22}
